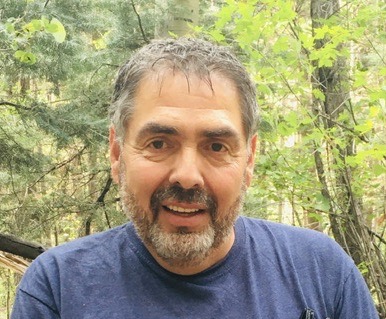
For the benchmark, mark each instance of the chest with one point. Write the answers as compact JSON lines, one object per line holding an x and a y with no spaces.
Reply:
{"x":234,"y":294}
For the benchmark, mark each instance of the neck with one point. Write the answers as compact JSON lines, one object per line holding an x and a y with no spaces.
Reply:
{"x":215,"y":256}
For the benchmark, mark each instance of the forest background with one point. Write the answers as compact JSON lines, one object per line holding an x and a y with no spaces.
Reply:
{"x":320,"y":69}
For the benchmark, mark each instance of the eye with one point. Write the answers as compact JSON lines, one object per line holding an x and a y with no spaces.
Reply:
{"x":158,"y":144}
{"x":217,"y":147}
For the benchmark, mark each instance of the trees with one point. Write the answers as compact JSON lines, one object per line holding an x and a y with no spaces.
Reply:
{"x":323,"y":147}
{"x":48,"y":122}
{"x":320,"y":72}
{"x":346,"y":213}
{"x":176,"y":17}
{"x":53,"y":105}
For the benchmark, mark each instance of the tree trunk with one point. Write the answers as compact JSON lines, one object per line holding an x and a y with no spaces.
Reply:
{"x":175,"y":17}
{"x":348,"y":222}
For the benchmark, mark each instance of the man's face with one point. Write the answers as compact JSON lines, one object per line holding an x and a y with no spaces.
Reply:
{"x":184,"y":166}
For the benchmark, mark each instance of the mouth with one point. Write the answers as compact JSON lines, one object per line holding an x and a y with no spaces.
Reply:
{"x":183,"y":211}
{"x":191,"y":216}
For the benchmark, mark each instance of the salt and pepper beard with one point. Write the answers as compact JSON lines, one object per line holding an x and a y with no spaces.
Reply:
{"x":181,"y":248}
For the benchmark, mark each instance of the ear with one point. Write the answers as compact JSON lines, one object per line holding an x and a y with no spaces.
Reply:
{"x":251,"y":160}
{"x":115,"y":154}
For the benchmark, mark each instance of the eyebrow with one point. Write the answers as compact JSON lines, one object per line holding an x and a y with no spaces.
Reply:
{"x":224,"y":133}
{"x":155,"y":128}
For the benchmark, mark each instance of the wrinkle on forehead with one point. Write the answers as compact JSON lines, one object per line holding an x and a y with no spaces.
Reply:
{"x":189,"y":68}
{"x":160,"y":76}
{"x":166,"y":88}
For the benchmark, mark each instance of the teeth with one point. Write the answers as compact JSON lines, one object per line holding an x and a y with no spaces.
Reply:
{"x":183,"y":210}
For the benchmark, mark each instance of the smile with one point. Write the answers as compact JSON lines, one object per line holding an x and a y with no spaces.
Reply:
{"x":179,"y":209}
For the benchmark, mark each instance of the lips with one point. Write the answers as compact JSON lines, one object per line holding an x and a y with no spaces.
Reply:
{"x":183,"y":211}
{"x":191,"y":217}
{"x":182,"y":205}
{"x":179,"y":209}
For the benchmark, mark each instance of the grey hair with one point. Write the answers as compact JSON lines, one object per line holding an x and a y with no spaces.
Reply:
{"x":191,"y":57}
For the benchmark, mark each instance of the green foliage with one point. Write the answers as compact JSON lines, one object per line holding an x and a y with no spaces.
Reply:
{"x":282,"y":52}
{"x":21,"y":33}
{"x":58,"y":60}
{"x":320,"y":87}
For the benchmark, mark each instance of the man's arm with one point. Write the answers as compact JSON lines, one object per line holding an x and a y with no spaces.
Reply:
{"x":356,"y":301}
{"x":29,"y":307}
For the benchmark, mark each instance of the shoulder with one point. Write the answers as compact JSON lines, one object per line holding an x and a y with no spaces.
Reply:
{"x":73,"y":262}
{"x":312,"y":264}
{"x":97,"y":241}
{"x":285,"y":234}
{"x":85,"y":250}
{"x":298,"y":246}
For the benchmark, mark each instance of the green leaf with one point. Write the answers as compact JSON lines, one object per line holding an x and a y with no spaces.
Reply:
{"x":264,"y":89}
{"x":360,"y":79}
{"x":45,"y":21}
{"x":363,"y":268}
{"x":293,"y":119}
{"x":316,"y":216}
{"x":9,"y":27}
{"x":25,"y":57}
{"x":365,"y":127}
{"x":322,"y":203}
{"x":320,"y":33}
{"x":306,"y":40}
{"x":382,"y":71}
{"x":353,"y":161}
{"x":56,"y":28}
{"x":379,"y":170}
{"x":51,"y":28}
{"x":217,"y":35}
{"x":318,"y":94}
{"x":374,"y":111}
{"x":33,"y":26}
{"x":37,"y":24}
{"x":285,"y":130}
{"x":281,"y":44}
{"x":101,"y":42}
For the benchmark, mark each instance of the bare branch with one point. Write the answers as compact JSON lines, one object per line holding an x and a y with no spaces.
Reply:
{"x":16,"y":106}
{"x":59,"y":165}
{"x":139,"y":22}
{"x":101,"y":198}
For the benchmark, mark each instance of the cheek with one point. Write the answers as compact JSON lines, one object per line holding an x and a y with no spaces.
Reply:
{"x":227,"y":185}
{"x":144,"y":177}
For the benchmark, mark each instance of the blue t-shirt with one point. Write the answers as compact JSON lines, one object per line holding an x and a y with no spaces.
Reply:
{"x":273,"y":271}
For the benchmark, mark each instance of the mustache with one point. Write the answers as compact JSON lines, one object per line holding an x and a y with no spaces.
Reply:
{"x":176,"y":192}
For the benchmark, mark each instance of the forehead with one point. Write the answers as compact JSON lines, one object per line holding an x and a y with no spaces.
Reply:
{"x":173,"y":98}
{"x":213,"y":91}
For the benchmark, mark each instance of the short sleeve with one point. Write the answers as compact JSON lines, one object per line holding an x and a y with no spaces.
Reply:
{"x":355,"y":302}
{"x":35,"y":296}
{"x":29,"y":307}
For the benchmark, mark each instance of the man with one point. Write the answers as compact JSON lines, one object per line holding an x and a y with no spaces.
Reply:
{"x":182,"y":145}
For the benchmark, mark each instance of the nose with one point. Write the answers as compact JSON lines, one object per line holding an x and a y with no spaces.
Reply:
{"x":186,"y":170}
